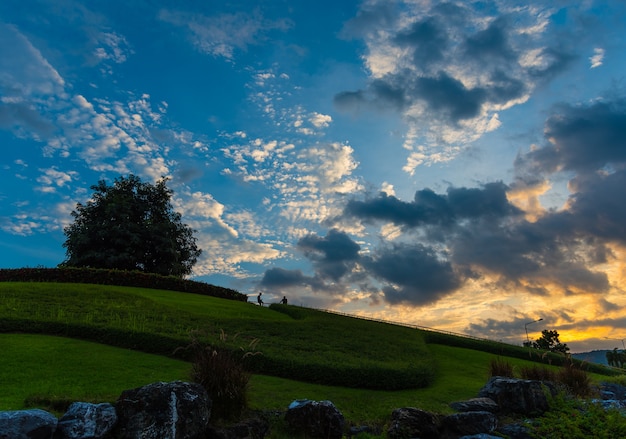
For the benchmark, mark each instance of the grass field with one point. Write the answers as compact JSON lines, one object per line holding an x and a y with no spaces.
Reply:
{"x":133,"y":324}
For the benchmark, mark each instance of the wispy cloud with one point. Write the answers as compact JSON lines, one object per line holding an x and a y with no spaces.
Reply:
{"x":221,"y":35}
{"x":597,"y":59}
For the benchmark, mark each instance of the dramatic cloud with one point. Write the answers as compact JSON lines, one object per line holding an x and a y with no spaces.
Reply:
{"x":429,"y":208}
{"x":443,"y":66}
{"x":333,"y":256}
{"x":581,"y":139}
{"x":414,"y":274}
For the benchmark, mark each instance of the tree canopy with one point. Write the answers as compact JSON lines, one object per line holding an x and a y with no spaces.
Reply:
{"x":130,"y":225}
{"x":549,"y":341}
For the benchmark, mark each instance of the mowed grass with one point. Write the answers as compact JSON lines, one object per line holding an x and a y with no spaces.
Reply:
{"x":57,"y":368}
{"x":289,"y":338}
{"x":64,"y":369}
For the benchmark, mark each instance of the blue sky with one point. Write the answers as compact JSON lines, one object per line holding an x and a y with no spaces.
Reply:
{"x":454,"y":165}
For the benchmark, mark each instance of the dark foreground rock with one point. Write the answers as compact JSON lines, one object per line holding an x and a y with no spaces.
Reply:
{"x":176,"y":410}
{"x":515,"y":396}
{"x":27,"y":424}
{"x":316,"y":419}
{"x":180,"y":410}
{"x":87,"y":421}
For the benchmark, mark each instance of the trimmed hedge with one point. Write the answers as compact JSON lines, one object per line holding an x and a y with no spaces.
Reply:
{"x":118,"y":277}
{"x":520,"y":352}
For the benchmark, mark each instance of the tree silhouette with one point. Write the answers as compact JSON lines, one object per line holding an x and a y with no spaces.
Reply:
{"x":549,"y":341}
{"x":130,"y":226}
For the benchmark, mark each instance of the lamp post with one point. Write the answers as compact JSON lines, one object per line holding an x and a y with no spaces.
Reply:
{"x":526,"y":329}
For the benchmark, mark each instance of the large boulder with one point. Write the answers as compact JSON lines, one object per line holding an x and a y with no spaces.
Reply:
{"x":409,"y":422}
{"x":476,"y":405}
{"x":468,"y":423}
{"x":175,"y":410}
{"x":84,"y":420}
{"x":525,"y":397}
{"x":27,"y":424}
{"x":315,"y":419}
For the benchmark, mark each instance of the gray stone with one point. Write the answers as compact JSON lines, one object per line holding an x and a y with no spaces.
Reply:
{"x":526,"y":397}
{"x":476,"y":405}
{"x":84,"y":420}
{"x":469,"y":423}
{"x":516,"y":431}
{"x":410,"y":422}
{"x":315,"y":419}
{"x":27,"y":424}
{"x":176,"y":410}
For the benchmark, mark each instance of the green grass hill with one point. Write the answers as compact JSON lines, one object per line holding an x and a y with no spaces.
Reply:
{"x":80,"y":341}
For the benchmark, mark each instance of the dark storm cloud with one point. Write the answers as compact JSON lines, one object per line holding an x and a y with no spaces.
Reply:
{"x":490,"y":44}
{"x":333,"y":255}
{"x":556,"y":61}
{"x":427,"y":39}
{"x":546,"y":251}
{"x":416,"y":274}
{"x":429,"y":208}
{"x":598,"y":208}
{"x":281,"y":278}
{"x":381,"y":94}
{"x":448,"y":96}
{"x":580,"y":139}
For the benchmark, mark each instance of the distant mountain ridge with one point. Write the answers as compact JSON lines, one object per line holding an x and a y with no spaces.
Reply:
{"x":598,"y":357}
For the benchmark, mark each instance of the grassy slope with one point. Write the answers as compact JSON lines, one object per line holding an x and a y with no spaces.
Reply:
{"x":305,"y":335}
{"x":293,"y":340}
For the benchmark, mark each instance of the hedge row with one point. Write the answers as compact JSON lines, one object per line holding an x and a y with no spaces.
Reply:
{"x":368,"y":377}
{"x":119,"y":278}
{"x":508,"y":350}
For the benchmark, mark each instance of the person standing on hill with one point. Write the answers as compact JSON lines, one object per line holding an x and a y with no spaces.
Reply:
{"x":284,"y":300}
{"x":258,"y":299}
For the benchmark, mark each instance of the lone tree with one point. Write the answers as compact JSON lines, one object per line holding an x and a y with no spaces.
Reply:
{"x":549,"y":341}
{"x":130,"y":226}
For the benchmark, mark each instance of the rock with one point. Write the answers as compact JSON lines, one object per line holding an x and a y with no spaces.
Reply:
{"x":409,"y":422}
{"x":87,"y":421}
{"x":468,"y":423}
{"x":27,"y":424}
{"x":516,"y":431}
{"x":316,"y":419}
{"x":612,"y":391}
{"x":176,"y":410}
{"x":476,"y":405}
{"x":525,"y":397}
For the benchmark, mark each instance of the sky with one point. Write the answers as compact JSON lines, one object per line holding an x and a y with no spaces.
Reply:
{"x":454,"y":165}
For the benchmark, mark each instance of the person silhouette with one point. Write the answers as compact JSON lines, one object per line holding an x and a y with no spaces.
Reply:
{"x":284,"y":300}
{"x":258,"y":299}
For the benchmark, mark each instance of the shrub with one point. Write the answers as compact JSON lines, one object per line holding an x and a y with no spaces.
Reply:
{"x":575,"y":419}
{"x":575,"y":379}
{"x":222,"y":373}
{"x":500,"y":368}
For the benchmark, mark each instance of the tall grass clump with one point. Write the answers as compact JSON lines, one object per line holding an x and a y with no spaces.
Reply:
{"x":220,"y":370}
{"x":577,"y":381}
{"x":499,"y":367}
{"x":539,"y":373}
